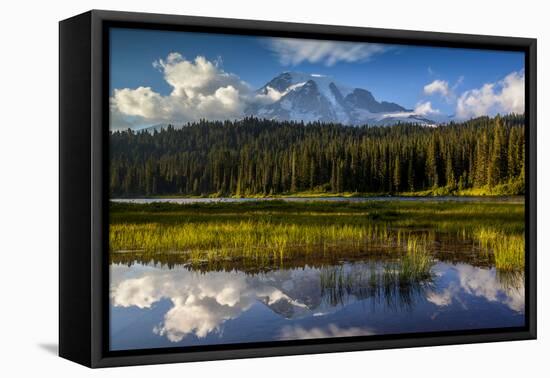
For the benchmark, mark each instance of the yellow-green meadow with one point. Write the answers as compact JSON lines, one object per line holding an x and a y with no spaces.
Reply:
{"x":264,"y":233}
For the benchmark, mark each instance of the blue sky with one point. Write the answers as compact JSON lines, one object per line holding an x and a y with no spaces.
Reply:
{"x":397,"y":73}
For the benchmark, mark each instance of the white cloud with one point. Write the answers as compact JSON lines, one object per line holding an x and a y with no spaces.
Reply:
{"x":291,"y":51}
{"x":421,"y":109}
{"x":504,"y":96}
{"x":425,"y":108}
{"x":141,"y":102}
{"x":444,"y":89}
{"x":271,"y":95}
{"x":438,"y":86}
{"x":200,"y":77}
{"x":200,"y":89}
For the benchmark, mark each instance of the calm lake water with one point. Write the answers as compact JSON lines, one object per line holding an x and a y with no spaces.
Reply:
{"x":166,"y":302}
{"x":154,"y":306}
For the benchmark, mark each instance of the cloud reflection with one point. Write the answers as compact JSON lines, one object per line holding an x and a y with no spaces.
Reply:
{"x":506,"y":288}
{"x":331,"y":330}
{"x":201,"y":303}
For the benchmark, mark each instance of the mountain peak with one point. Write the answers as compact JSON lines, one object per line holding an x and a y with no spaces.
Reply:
{"x":288,"y":78}
{"x":300,"y":96}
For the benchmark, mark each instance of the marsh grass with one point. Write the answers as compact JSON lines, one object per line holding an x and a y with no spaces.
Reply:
{"x":269,"y":233}
{"x":508,"y":250}
{"x":417,"y":261}
{"x":258,"y":240}
{"x":384,"y":280}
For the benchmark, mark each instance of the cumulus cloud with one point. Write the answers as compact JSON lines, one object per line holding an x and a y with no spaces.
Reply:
{"x":200,"y":89}
{"x":425,"y":108}
{"x":504,"y":96}
{"x":141,"y":102}
{"x":291,"y":51}
{"x":438,"y":86}
{"x":200,"y":77}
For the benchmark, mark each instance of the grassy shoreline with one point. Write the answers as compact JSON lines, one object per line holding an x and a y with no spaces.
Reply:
{"x":503,"y":190}
{"x":473,"y":193}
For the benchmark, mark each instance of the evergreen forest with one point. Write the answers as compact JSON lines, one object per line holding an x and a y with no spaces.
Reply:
{"x":254,"y":157}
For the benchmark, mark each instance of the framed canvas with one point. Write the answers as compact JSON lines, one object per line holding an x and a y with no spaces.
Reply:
{"x":234,"y":188}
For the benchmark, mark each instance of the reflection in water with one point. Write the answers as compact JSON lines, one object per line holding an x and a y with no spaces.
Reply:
{"x":200,"y":302}
{"x":332,"y":330}
{"x":156,"y":306}
{"x":482,"y":283}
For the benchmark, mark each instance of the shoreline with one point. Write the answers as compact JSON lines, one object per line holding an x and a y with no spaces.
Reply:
{"x":324,"y":195}
{"x":303,"y":199}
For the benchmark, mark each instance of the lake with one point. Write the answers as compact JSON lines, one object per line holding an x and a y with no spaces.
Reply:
{"x":155,"y":306}
{"x":208,"y":271}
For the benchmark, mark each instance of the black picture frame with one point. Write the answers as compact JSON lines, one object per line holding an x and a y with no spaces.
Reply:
{"x":83,"y":195}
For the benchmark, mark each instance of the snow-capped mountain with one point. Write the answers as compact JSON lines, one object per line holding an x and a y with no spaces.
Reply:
{"x":308,"y":97}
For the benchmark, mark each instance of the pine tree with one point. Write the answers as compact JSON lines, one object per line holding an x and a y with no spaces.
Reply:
{"x":293,"y":181}
{"x":397,"y":174}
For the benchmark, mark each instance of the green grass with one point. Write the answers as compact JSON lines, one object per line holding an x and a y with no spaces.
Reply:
{"x":417,"y":261}
{"x":249,"y":239}
{"x":508,"y":250}
{"x":276,"y":232}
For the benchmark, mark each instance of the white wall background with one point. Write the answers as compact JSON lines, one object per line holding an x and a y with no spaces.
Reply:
{"x":29,"y":186}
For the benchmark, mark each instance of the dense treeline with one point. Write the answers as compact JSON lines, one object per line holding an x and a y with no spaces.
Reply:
{"x":252,"y":156}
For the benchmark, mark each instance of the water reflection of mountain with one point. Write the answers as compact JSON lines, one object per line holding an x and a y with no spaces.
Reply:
{"x":202,"y":302}
{"x":310,"y":291}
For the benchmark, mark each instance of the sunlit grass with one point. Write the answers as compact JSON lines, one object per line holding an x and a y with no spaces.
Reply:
{"x":509,"y":250}
{"x":275,"y":232}
{"x":417,"y":261}
{"x":243,"y":239}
